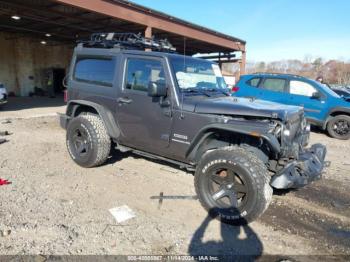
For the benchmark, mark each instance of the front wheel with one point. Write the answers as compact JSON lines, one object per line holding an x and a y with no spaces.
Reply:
{"x":233,"y":185}
{"x":339,"y":127}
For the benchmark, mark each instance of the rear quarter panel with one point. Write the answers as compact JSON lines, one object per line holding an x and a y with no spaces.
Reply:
{"x":103,"y":95}
{"x":245,"y":90}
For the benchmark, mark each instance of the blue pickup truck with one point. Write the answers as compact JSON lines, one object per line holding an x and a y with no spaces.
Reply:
{"x":323,"y":107}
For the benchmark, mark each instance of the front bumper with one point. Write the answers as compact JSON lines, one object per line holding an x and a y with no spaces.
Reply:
{"x":307,"y":168}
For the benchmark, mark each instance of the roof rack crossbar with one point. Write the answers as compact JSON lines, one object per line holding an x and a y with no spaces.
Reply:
{"x":128,"y":41}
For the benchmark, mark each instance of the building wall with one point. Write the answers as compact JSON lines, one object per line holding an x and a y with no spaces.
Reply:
{"x":23,"y":61}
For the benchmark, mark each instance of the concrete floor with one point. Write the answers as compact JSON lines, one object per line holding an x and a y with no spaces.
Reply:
{"x":29,"y":107}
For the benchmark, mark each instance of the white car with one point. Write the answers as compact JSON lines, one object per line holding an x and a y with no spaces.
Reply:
{"x":3,"y":94}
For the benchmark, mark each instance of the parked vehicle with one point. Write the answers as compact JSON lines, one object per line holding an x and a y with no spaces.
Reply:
{"x":169,"y":107}
{"x":341,"y":91}
{"x":3,"y":94}
{"x":323,"y":107}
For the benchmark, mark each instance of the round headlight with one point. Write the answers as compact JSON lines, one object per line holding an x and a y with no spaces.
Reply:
{"x":286,"y":132}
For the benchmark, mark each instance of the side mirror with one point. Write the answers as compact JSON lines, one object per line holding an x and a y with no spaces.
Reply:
{"x":316,"y":95}
{"x":157,"y":89}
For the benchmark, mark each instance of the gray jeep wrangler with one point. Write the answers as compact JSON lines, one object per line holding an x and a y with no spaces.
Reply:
{"x":176,"y":108}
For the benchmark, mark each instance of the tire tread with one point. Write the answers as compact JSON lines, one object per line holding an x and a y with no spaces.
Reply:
{"x":99,"y":136}
{"x":257,"y":169}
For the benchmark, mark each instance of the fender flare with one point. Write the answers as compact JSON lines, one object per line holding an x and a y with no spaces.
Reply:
{"x":209,"y":130}
{"x":106,"y":115}
{"x":339,"y":109}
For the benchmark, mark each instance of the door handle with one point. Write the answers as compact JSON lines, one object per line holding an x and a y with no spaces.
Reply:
{"x":124,"y":100}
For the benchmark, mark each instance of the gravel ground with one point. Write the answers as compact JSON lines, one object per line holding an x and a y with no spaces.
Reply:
{"x":55,"y":207}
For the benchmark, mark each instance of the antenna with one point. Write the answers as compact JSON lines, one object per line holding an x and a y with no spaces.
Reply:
{"x":182,"y":93}
{"x":184,"y":54}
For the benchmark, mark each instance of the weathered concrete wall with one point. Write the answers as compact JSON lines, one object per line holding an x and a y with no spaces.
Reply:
{"x":23,"y":60}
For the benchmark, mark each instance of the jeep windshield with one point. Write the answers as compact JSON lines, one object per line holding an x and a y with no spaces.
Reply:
{"x":195,"y":76}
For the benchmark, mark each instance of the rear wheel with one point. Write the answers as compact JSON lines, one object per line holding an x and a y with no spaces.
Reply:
{"x":339,"y":127}
{"x":233,"y":185}
{"x":87,"y":140}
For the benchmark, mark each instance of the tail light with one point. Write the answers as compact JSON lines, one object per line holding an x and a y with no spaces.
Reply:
{"x":235,"y":89}
{"x":65,"y":96}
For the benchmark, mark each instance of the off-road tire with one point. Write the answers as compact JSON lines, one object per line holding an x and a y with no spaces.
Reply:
{"x":333,"y":121}
{"x":247,"y":165}
{"x":97,"y":140}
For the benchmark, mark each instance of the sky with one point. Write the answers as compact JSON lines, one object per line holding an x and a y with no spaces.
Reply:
{"x":274,"y":29}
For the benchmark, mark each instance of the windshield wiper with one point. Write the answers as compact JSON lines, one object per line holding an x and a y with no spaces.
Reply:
{"x":194,"y":90}
{"x":217,"y":90}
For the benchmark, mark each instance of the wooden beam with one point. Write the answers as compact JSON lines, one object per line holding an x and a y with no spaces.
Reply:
{"x":119,"y":11}
{"x":242,"y":63}
{"x":148,"y":34}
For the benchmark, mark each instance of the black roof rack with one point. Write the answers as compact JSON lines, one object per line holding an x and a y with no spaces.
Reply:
{"x":128,"y":41}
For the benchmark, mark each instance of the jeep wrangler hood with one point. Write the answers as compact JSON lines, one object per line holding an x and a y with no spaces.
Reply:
{"x":246,"y":107}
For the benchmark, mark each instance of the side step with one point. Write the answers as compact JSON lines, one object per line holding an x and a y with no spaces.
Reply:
{"x":182,"y":165}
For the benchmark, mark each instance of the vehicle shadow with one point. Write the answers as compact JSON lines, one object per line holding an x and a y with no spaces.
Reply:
{"x":317,"y":130}
{"x":116,"y":156}
{"x":238,"y":242}
{"x":282,"y":192}
{"x":22,"y":103}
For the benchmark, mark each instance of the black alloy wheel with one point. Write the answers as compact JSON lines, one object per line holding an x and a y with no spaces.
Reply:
{"x":81,"y":142}
{"x":339,"y":127}
{"x":232,"y":184}
{"x":228,"y":189}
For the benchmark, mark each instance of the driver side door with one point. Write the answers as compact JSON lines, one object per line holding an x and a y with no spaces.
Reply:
{"x":301,"y":94}
{"x":145,"y":124}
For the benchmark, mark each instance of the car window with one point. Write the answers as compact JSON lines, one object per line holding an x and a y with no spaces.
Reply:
{"x":274,"y":84}
{"x":95,"y":70}
{"x":301,"y":88}
{"x":140,"y":72}
{"x":254,"y":81}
